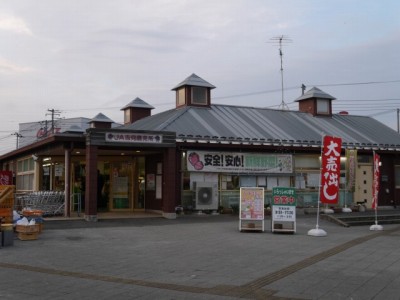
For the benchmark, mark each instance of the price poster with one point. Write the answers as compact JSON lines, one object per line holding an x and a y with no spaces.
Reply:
{"x":251,"y":203}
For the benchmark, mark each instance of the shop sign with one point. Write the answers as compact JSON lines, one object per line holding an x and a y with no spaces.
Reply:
{"x":283,"y":204}
{"x":330,"y":173}
{"x":205,"y":161}
{"x":133,"y":138}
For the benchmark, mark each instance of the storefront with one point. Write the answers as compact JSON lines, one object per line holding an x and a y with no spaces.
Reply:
{"x":212,"y":179}
{"x":199,"y":154}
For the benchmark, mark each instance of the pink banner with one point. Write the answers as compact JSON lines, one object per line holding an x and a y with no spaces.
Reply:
{"x":375,"y":184}
{"x":330,"y":173}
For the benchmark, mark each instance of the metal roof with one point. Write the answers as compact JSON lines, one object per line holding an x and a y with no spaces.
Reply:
{"x":194,"y":80}
{"x":251,"y":125}
{"x":138,"y":103}
{"x":315,"y":93}
{"x":101,"y":118}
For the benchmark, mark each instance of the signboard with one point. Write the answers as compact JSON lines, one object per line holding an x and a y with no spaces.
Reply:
{"x":206,"y":161}
{"x":283,"y":207}
{"x":251,"y":203}
{"x":251,"y":210}
{"x":133,"y":138}
{"x":330,"y":172}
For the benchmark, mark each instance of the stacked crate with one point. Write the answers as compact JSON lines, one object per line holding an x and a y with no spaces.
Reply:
{"x":27,"y":232}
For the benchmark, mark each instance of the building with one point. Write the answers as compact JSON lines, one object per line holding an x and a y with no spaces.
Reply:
{"x":199,"y":154}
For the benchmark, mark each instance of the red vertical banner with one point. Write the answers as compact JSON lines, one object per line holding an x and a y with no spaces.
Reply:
{"x":330,"y":171}
{"x":375,"y":184}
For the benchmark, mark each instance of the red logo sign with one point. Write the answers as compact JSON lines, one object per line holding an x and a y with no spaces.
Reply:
{"x":330,"y":173}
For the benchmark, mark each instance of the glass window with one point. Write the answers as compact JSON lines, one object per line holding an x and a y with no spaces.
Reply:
{"x":181,"y":99}
{"x":25,"y":171}
{"x":127,"y":116}
{"x":199,"y":95}
{"x":307,"y":161}
{"x":322,"y":106}
{"x":397,"y":175}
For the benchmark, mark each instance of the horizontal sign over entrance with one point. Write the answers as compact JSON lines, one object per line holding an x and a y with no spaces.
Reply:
{"x":205,"y":161}
{"x":133,"y":138}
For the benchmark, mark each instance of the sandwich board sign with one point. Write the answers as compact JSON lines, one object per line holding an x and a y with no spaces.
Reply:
{"x":283,"y":209}
{"x":251,"y":211}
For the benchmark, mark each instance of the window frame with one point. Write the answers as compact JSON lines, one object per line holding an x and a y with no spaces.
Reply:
{"x":195,"y":94}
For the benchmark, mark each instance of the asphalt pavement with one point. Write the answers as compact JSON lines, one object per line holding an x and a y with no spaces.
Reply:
{"x":201,"y":257}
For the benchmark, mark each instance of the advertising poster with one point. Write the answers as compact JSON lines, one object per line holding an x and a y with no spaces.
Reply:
{"x":251,"y":203}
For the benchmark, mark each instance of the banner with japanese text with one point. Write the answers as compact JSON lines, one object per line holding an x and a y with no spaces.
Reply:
{"x":351,"y":161}
{"x":375,"y":184}
{"x":207,"y":161}
{"x":330,"y":170}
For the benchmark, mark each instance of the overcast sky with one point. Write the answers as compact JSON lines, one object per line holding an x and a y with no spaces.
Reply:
{"x":83,"y":57}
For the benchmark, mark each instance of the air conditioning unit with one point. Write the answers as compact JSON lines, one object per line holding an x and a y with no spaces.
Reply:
{"x":206,"y":196}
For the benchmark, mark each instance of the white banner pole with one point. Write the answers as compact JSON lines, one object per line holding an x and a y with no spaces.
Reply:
{"x":318,"y":231}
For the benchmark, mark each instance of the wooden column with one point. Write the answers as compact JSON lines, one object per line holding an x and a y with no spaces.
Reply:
{"x":169,"y":192}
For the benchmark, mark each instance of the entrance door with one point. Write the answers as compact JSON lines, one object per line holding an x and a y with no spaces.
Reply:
{"x":121,"y":186}
{"x":363,"y":190}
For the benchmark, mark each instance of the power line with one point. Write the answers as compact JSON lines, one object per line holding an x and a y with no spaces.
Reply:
{"x":299,"y":87}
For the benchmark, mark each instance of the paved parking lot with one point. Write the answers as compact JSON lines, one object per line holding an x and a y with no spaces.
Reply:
{"x":201,"y":257}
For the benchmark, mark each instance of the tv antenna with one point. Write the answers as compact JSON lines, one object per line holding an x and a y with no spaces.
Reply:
{"x":281,"y":41}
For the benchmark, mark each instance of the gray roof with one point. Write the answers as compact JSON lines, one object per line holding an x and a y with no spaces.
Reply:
{"x":138,"y":103}
{"x":101,"y":118}
{"x":239,"y":124}
{"x":75,"y":128}
{"x":315,"y":93}
{"x":194,"y":80}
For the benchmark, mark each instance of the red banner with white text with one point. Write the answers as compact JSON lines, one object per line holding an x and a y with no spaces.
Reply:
{"x":330,"y":171}
{"x":375,"y":184}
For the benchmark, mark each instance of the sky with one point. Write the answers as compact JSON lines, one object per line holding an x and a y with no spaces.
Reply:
{"x":84,"y":57}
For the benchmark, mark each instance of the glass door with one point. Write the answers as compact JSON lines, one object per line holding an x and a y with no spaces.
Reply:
{"x":121,"y":186}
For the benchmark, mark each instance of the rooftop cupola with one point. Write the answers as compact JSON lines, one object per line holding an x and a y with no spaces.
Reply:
{"x":135,"y":110}
{"x":100,"y":121}
{"x":193,"y":91}
{"x":316,"y":102}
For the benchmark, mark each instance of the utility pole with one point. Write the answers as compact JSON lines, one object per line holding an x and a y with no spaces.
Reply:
{"x":281,"y":40}
{"x":53,"y":112}
{"x":398,"y":124}
{"x":18,"y":136}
